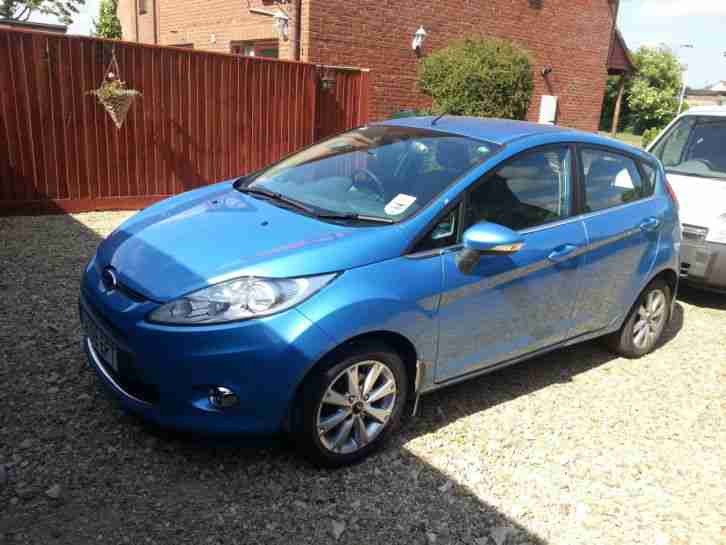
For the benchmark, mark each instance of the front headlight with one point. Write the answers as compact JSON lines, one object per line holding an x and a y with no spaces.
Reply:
{"x":239,"y":299}
{"x":718,"y":232}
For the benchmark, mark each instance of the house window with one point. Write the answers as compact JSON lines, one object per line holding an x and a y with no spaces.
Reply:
{"x":257,"y":48}
{"x":143,"y":7}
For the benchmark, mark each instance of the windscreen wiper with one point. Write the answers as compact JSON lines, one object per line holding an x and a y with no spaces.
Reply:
{"x":273,"y":195}
{"x":279,"y":197}
{"x":354,"y":217}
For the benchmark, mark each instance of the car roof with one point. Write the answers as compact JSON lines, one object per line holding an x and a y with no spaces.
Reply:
{"x":717,"y":111}
{"x":498,"y":131}
{"x":504,"y":131}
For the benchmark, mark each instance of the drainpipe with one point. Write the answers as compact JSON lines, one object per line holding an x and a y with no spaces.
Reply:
{"x":136,"y":19}
{"x":156,"y":23}
{"x":298,"y":30}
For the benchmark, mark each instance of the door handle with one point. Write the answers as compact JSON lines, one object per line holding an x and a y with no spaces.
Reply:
{"x":562,"y":252}
{"x":651,"y":224}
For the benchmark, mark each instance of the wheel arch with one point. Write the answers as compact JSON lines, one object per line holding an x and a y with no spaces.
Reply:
{"x":396,"y":341}
{"x":670,"y":277}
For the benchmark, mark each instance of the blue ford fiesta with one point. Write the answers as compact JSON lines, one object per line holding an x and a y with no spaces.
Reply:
{"x":322,"y":295}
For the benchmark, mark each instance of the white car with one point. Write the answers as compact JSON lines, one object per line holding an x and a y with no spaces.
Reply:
{"x":693,"y":151}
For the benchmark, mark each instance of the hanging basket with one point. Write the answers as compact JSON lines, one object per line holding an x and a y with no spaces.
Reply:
{"x":113,"y":94}
{"x":116,"y":99}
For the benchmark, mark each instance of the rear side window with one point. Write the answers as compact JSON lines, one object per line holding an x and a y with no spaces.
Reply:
{"x":611,"y":179}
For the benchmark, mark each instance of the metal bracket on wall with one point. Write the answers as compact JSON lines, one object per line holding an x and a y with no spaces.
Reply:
{"x":326,"y":76}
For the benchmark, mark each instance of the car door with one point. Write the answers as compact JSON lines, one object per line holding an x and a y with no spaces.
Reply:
{"x":510,"y":305}
{"x":623,"y":222}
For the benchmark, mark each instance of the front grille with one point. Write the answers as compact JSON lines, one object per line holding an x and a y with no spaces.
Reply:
{"x":130,"y":380}
{"x":128,"y":376}
{"x":694,"y":233}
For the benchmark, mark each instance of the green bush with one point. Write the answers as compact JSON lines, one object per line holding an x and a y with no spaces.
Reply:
{"x":483,"y":77}
{"x":649,"y":135}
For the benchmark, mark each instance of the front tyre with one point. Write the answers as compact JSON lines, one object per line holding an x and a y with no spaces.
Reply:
{"x":645,"y":323}
{"x":352,"y":405}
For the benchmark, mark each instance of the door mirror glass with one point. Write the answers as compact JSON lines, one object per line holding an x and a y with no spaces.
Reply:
{"x":490,"y":238}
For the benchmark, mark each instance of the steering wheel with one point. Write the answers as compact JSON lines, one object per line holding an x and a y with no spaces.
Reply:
{"x":378,"y":186}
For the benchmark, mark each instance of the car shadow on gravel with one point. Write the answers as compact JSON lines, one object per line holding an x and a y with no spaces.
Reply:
{"x":480,"y":394}
{"x":75,"y":470}
{"x":702,"y":298}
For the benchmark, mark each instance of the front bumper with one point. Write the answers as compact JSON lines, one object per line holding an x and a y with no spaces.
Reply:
{"x":172,"y":369}
{"x":704,"y":264}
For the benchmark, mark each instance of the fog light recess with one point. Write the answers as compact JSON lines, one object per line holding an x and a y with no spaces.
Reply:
{"x":223,"y":398}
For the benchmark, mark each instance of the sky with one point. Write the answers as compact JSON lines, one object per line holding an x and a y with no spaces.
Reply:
{"x":700,"y":23}
{"x":83,"y":23}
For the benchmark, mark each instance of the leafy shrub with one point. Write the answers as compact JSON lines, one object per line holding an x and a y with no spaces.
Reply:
{"x":483,"y":77}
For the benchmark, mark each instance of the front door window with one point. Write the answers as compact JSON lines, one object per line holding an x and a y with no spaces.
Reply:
{"x":527,"y":192}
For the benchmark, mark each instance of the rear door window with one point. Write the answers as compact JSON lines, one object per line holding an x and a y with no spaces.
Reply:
{"x":611,"y":179}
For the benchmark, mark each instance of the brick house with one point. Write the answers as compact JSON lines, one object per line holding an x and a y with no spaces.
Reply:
{"x":570,"y":41}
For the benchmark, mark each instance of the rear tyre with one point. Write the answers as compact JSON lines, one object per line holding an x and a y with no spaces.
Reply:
{"x":645,"y":323}
{"x":352,"y":405}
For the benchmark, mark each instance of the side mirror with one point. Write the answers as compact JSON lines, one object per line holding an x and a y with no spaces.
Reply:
{"x":487,"y":239}
{"x":490,"y":238}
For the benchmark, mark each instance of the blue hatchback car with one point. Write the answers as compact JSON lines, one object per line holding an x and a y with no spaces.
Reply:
{"x":321,"y":296}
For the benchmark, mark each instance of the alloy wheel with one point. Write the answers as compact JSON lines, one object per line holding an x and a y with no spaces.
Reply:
{"x":356,"y":407}
{"x":650,"y":320}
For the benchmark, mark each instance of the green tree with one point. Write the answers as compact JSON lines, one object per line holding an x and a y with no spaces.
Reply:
{"x":21,"y":10}
{"x":483,"y":77}
{"x":107,"y":25}
{"x":651,"y":94}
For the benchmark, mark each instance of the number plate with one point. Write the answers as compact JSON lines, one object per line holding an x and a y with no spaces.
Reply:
{"x":101,"y":343}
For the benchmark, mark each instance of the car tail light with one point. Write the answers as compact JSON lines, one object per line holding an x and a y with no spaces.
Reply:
{"x":672,"y":193}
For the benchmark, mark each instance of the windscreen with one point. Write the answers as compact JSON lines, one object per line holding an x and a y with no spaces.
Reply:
{"x":695,"y":146}
{"x":379,"y":171}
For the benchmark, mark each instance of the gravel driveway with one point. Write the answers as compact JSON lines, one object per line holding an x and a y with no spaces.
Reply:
{"x":577,"y":447}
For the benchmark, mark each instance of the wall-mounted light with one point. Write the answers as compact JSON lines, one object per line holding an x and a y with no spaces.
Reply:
{"x":418,"y":40}
{"x":546,"y":71}
{"x":280,"y":21}
{"x":281,"y":24}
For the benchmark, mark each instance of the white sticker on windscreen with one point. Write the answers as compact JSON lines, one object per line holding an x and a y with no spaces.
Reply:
{"x":399,"y":204}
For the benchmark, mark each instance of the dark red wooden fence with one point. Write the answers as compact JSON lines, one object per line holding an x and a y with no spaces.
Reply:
{"x":203,"y":117}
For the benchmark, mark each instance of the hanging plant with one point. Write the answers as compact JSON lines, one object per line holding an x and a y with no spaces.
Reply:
{"x":114,"y":95}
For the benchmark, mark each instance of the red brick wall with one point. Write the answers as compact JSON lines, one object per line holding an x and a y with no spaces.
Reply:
{"x":210,"y":25}
{"x":137,"y":27}
{"x":572,"y":36}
